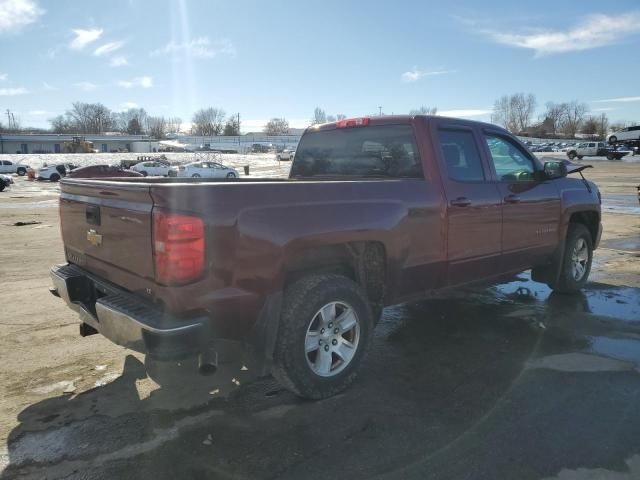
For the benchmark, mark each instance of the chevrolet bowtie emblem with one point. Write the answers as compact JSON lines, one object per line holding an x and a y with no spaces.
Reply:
{"x":94,"y":238}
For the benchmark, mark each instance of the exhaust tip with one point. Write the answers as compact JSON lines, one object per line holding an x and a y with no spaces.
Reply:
{"x":208,"y":362}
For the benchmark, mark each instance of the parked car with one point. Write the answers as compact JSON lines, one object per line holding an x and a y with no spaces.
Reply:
{"x":153,"y":168}
{"x":54,"y":173}
{"x":7,"y":166}
{"x":102,"y":171}
{"x":295,"y":272}
{"x":286,"y":154}
{"x":206,"y":170}
{"x":5,"y":181}
{"x":628,"y":133}
{"x":261,"y":148}
{"x":596,"y":149}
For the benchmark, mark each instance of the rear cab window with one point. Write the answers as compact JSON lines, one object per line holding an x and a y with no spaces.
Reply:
{"x":385,"y":151}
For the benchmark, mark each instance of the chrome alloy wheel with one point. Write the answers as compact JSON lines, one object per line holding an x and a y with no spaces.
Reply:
{"x":579,"y":259}
{"x":332,"y":339}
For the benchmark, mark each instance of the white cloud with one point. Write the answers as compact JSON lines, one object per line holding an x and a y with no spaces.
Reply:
{"x":3,"y":76}
{"x":48,"y":86}
{"x":594,"y":31}
{"x":144,"y":82}
{"x":606,"y":109}
{"x":84,"y":37}
{"x":619,"y":99}
{"x":10,"y":92}
{"x":86,"y":86}
{"x":119,"y":61}
{"x":15,"y":14}
{"x":127,"y":105}
{"x":39,"y":113}
{"x":200,"y":47}
{"x":108,"y":48}
{"x":414,"y":75}
{"x":464,"y":112}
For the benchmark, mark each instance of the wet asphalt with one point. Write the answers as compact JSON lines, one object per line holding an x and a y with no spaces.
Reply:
{"x":510,"y":382}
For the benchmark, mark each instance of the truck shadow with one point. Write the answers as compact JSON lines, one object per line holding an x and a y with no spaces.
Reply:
{"x":441,"y":373}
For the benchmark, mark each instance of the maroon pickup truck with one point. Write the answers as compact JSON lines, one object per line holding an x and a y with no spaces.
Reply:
{"x":295,"y":272}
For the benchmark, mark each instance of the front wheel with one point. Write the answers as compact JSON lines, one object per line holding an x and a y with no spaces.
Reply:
{"x":231,"y":175}
{"x":610,"y":156}
{"x":22,"y":172}
{"x":144,"y":173}
{"x":54,"y":178}
{"x":571,"y":155}
{"x":195,"y":175}
{"x":576,"y":263}
{"x":580,"y":157}
{"x":324,"y":333}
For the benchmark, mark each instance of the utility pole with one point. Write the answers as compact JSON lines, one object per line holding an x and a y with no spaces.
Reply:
{"x":380,"y":111}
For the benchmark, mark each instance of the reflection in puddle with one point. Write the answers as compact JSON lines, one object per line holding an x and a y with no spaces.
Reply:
{"x":618,"y":302}
{"x":620,"y":348}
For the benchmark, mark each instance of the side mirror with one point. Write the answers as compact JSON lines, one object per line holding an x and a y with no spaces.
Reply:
{"x":554,"y":170}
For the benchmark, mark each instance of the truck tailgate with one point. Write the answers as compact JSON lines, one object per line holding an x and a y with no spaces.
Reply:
{"x":107,"y":224}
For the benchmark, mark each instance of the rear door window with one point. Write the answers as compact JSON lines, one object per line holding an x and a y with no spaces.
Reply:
{"x":461,"y":156}
{"x":370,"y":151}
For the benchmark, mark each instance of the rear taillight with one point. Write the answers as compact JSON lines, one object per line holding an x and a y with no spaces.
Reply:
{"x":178,"y":248}
{"x":352,"y":122}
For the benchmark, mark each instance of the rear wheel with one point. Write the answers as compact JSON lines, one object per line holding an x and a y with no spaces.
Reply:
{"x":195,"y":175}
{"x":231,"y":175}
{"x":571,"y":155}
{"x":144,"y":173}
{"x":324,"y":334}
{"x":576,"y":263}
{"x":22,"y":172}
{"x":2,"y":185}
{"x":580,"y":157}
{"x":54,"y":178}
{"x":610,"y":156}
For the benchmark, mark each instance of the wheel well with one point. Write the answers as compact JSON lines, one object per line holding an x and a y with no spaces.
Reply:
{"x":362,"y":262}
{"x":590,"y":220}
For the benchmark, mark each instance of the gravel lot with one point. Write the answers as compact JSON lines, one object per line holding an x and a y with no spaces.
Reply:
{"x":509,"y":382}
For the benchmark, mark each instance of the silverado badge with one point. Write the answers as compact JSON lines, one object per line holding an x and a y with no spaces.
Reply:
{"x":94,"y":238}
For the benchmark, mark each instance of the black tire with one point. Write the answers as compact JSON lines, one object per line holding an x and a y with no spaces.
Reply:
{"x":301,"y":305}
{"x":54,"y":178}
{"x":22,"y":172}
{"x":231,"y":175}
{"x":195,"y":175}
{"x":613,"y":139}
{"x":610,"y":156}
{"x":2,"y":185}
{"x":580,"y":157}
{"x":567,"y":281}
{"x":571,"y":155}
{"x":144,"y":173}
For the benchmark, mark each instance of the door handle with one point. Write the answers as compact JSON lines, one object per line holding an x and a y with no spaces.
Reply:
{"x":512,"y":199}
{"x":461,"y":202}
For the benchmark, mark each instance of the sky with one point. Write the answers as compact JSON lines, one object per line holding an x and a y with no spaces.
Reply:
{"x":284,"y":58}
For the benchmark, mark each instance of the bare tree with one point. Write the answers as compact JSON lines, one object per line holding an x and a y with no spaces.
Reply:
{"x":174,"y":124}
{"x":61,"y":124}
{"x":503,"y":114}
{"x":574,"y":117}
{"x":122,"y":120}
{"x":331,"y":118}
{"x":232,"y":127}
{"x":603,"y":126}
{"x":514,"y":112}
{"x":319,"y":116}
{"x":277,"y":126}
{"x":589,"y":126}
{"x":424,"y":111}
{"x":134,"y":127}
{"x":554,"y":115}
{"x":157,"y":127}
{"x":340,"y":116}
{"x":208,"y":121}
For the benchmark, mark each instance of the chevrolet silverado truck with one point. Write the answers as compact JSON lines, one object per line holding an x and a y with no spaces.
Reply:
{"x":295,"y":272}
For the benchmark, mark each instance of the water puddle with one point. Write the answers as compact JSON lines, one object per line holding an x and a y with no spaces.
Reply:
{"x":621,"y":203}
{"x":620,"y":348}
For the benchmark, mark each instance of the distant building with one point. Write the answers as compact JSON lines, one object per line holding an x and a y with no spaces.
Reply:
{"x":54,"y":143}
